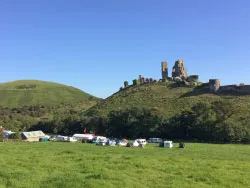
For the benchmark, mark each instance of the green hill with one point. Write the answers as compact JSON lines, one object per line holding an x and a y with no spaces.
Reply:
{"x":35,"y":92}
{"x":166,"y":99}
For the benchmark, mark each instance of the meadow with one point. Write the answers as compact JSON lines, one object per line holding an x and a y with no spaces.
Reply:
{"x":55,"y":164}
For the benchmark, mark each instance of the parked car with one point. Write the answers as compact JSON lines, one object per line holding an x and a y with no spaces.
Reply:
{"x":96,"y":138}
{"x":135,"y":144}
{"x":155,"y":140}
{"x":122,"y":142}
{"x":141,"y":141}
{"x":62,"y":138}
{"x":101,"y":141}
{"x":53,"y":138}
{"x":112,"y":143}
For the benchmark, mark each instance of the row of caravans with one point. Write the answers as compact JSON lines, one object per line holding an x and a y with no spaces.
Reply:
{"x":100,"y":140}
{"x":74,"y":138}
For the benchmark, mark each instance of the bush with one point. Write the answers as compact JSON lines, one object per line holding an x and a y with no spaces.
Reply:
{"x":193,"y":78}
{"x":1,"y":136}
{"x":181,"y":145}
{"x":15,"y":136}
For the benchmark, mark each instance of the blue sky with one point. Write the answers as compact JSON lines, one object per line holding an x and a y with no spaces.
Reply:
{"x":95,"y":45}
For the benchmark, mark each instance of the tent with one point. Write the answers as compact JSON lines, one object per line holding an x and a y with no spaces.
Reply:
{"x":32,"y":136}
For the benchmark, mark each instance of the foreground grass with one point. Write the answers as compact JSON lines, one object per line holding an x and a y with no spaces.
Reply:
{"x":86,"y":165}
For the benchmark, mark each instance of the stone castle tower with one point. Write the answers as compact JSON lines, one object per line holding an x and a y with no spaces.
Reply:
{"x":164,"y":69}
{"x":179,"y":70}
{"x":214,"y":85}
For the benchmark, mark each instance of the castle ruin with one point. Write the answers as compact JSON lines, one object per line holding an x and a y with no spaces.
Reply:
{"x":179,"y":74}
{"x":214,"y":85}
{"x":179,"y":70}
{"x":164,"y":70}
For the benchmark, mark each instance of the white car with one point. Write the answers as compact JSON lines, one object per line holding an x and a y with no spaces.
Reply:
{"x":62,"y":138}
{"x":135,"y":144}
{"x":101,"y":141}
{"x":141,"y":141}
{"x":123,"y":142}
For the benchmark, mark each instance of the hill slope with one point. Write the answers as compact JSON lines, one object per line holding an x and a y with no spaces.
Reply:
{"x":166,"y":99}
{"x":34,"y":92}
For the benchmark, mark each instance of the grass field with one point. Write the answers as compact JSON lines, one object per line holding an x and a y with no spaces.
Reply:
{"x":73,"y":165}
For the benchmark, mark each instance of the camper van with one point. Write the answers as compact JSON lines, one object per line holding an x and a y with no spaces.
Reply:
{"x":84,"y":137}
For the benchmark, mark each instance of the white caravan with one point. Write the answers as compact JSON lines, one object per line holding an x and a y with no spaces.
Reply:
{"x":83,"y":137}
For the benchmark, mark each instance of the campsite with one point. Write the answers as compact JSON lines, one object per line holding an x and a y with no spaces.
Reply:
{"x":124,"y":94}
{"x":59,"y":164}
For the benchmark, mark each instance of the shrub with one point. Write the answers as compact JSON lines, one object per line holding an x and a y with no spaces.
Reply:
{"x":181,"y":145}
{"x":1,"y":136}
{"x":15,"y":136}
{"x":193,"y":78}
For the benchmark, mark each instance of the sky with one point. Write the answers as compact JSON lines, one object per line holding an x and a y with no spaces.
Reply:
{"x":95,"y":45}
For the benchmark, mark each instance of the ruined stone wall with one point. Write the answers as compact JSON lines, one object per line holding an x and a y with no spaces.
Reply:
{"x":245,"y":89}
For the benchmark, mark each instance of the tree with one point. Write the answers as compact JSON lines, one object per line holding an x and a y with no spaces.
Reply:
{"x":16,"y":136}
{"x":1,"y":134}
{"x":224,"y":110}
{"x":133,"y":122}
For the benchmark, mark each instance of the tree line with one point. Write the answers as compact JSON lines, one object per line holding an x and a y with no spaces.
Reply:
{"x":217,"y":122}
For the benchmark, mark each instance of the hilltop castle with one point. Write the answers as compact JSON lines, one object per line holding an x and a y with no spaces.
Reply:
{"x":180,"y":74}
{"x":178,"y":70}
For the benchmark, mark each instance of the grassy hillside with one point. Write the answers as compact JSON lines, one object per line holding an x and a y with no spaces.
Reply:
{"x":38,"y":165}
{"x":166,"y":99}
{"x":34,"y":92}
